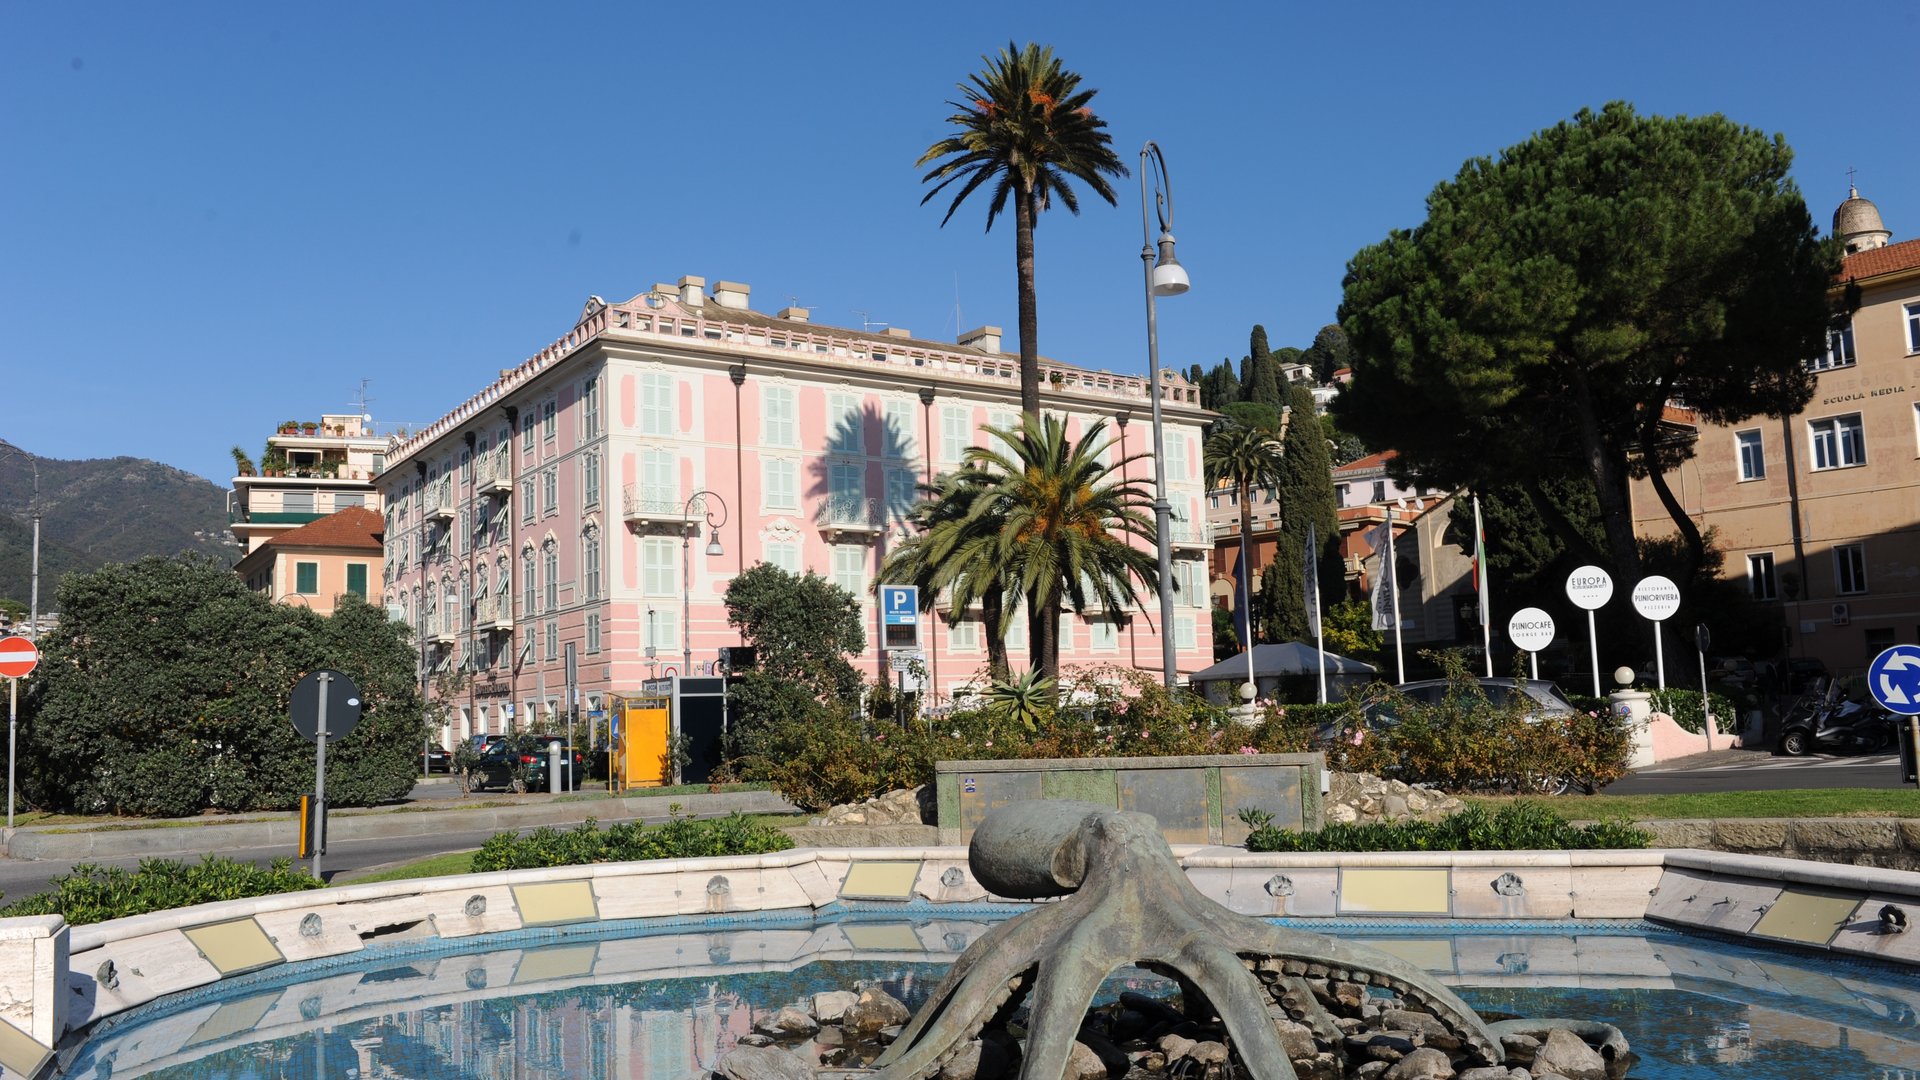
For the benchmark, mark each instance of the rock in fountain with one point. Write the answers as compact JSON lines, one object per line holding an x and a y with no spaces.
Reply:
{"x":1258,"y":1000}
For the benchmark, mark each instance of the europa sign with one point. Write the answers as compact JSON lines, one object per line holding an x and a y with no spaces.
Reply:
{"x":1590,"y":588}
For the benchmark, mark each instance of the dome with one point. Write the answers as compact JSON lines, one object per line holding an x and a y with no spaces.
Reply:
{"x":1857,"y":223}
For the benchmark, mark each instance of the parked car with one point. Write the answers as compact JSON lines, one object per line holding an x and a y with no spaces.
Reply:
{"x":1804,"y":672}
{"x":520,"y":764}
{"x":1542,"y":699}
{"x":1733,"y":671}
{"x":436,"y":759}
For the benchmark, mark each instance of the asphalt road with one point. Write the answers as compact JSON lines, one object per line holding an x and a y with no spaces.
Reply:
{"x":1758,"y":770}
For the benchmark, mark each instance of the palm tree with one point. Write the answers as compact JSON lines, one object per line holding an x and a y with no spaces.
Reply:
{"x":1247,"y":455}
{"x":948,"y":555}
{"x":1060,"y":522}
{"x":1023,"y":124}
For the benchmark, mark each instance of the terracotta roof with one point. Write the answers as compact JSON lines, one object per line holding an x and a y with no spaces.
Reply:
{"x":1371,"y":461}
{"x":1873,"y":262}
{"x":356,"y":529}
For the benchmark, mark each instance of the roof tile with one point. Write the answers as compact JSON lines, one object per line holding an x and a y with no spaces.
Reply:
{"x":355,"y":528}
{"x":1873,"y":262}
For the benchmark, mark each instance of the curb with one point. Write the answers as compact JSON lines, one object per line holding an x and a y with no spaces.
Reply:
{"x":63,"y":843}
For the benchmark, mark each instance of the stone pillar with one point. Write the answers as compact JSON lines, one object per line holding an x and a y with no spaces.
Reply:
{"x":1631,"y":708}
{"x":33,"y":976}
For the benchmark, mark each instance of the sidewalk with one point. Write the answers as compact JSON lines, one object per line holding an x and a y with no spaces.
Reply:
{"x":192,"y":836}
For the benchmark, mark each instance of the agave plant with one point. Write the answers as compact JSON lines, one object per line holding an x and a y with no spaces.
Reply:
{"x":1028,"y":699}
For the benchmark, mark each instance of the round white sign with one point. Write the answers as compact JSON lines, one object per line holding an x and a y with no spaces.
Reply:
{"x":1589,"y":588}
{"x":1656,"y":598}
{"x":1530,"y":629}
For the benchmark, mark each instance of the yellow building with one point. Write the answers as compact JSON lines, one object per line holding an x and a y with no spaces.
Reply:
{"x":1820,"y":512}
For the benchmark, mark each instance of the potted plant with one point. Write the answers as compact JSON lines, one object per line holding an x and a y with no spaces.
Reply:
{"x":1056,"y":378}
{"x":309,"y":427}
{"x":242,"y":464}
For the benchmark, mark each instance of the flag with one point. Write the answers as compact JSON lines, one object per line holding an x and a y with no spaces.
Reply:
{"x":1242,"y":607}
{"x":1310,"y":582}
{"x":1384,"y":582}
{"x":1480,"y":565}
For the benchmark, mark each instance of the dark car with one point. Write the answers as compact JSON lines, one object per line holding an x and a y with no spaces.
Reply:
{"x":1804,"y":673}
{"x":1540,"y":698}
{"x":520,"y":765}
{"x":436,"y":759}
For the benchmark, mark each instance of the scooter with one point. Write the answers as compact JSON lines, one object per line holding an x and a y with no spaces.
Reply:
{"x":1827,"y":720}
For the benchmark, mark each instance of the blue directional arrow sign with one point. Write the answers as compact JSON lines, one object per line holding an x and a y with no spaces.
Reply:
{"x":1894,"y":679}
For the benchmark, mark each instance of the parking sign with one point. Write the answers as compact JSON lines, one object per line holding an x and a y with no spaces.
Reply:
{"x":900,"y":616}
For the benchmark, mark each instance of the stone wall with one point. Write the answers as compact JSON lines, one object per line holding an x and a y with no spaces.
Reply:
{"x":1362,"y":798}
{"x":1889,"y":843}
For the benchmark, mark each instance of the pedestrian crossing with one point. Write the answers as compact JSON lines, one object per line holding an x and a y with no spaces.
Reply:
{"x":1760,"y":761}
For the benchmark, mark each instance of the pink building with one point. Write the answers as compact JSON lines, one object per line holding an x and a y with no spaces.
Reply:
{"x":554,"y":507}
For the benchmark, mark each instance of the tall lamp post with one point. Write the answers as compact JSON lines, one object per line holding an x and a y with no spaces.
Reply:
{"x":686,"y":566}
{"x":1164,"y":277}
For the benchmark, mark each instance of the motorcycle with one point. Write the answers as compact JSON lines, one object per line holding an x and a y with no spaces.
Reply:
{"x":1828,"y":720}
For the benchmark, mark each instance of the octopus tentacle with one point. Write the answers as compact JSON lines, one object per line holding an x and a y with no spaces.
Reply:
{"x":1062,"y":993}
{"x":1005,"y":950}
{"x":1242,"y":1004}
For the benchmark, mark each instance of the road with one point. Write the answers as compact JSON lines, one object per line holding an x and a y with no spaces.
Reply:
{"x":23,"y":877}
{"x":1757,"y":770}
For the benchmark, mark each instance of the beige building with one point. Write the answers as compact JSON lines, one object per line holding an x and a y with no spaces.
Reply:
{"x":309,"y":470}
{"x":1820,"y":513}
{"x":316,"y":563}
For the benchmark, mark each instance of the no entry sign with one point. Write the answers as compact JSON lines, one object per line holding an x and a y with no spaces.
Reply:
{"x":18,"y":657}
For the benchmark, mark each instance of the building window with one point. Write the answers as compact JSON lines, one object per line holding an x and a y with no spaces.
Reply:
{"x":1105,"y":634}
{"x":850,"y":568}
{"x":1912,"y":313}
{"x":1838,"y":442}
{"x":1839,"y":352}
{"x":590,"y":480}
{"x":1339,"y":496}
{"x":466,"y":531}
{"x":590,"y":407}
{"x":593,"y":632}
{"x":530,"y":589}
{"x":306,"y":578}
{"x":777,"y":427}
{"x":466,"y":467}
{"x":661,"y":633}
{"x":656,"y":404}
{"x":466,"y":600}
{"x":784,"y":554}
{"x":590,"y":564}
{"x":550,"y":490}
{"x":552,"y":634}
{"x":357,"y":579}
{"x":1176,"y":445}
{"x":660,"y":480}
{"x":781,"y":481}
{"x":953,"y":433}
{"x":1183,"y":632}
{"x":844,"y":434}
{"x":379,"y":464}
{"x":1753,"y":457}
{"x":1065,"y":631}
{"x":526,"y":500}
{"x":526,"y":433}
{"x":1760,"y":581}
{"x":1379,"y":491}
{"x":964,"y":635}
{"x":1002,"y":420}
{"x":1850,"y":569}
{"x":1190,"y":579}
{"x":903,"y":492}
{"x":657,"y":557}
{"x":896,"y":429}
{"x":550,"y":569}
{"x":549,"y":425}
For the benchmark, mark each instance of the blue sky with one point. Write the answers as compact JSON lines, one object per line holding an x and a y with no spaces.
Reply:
{"x":214,"y":217}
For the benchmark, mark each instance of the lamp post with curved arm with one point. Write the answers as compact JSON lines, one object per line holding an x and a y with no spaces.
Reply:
{"x":1164,"y":277}
{"x":686,"y":566}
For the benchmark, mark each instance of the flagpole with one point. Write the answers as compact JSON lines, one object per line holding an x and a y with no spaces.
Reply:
{"x":1393,"y":589}
{"x":1311,"y":583}
{"x":1480,"y":567}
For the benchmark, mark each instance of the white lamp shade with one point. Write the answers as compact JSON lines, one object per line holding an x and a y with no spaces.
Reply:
{"x":1170,"y":279}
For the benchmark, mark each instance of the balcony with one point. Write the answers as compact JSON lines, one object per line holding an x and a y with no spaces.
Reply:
{"x":493,"y":617}
{"x":494,"y":476}
{"x":442,"y":637}
{"x":660,"y":507}
{"x":437,"y":504}
{"x":1189,"y":537}
{"x":851,"y":517}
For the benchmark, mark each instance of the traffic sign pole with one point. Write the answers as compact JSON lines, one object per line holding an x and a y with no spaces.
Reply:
{"x":320,"y":778}
{"x":18,"y":657}
{"x":13,"y":728}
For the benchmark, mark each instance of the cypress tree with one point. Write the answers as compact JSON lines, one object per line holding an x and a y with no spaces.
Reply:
{"x":1305,"y":488}
{"x":1261,"y":382}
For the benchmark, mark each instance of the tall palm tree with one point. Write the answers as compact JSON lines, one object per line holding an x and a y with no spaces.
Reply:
{"x":1061,"y":521}
{"x":1247,"y":455}
{"x":1023,"y":124}
{"x":949,"y":555}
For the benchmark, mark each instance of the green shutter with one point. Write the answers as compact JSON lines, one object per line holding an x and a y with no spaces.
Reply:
{"x":306,"y":578}
{"x":357,"y":579}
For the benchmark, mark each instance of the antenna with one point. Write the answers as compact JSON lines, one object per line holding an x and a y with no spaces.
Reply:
{"x":361,"y":401}
{"x":867,"y":325}
{"x":959,"y":322}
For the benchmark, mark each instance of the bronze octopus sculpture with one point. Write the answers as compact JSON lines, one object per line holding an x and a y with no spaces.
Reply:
{"x":1127,"y":902}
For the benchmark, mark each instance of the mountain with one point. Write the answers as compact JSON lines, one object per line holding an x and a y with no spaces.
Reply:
{"x":99,"y":511}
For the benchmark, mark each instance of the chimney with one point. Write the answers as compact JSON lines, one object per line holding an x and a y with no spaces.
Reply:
{"x":985,"y":338}
{"x":693,"y":290}
{"x":899,"y":331}
{"x":794,"y":314}
{"x":731,"y":294}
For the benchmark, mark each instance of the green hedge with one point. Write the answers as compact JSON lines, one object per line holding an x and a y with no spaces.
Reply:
{"x":1518,"y":826}
{"x":91,"y":894}
{"x":1684,"y":707}
{"x":681,"y":838}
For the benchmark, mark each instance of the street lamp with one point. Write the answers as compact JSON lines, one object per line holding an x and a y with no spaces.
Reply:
{"x":1164,"y":277}
{"x":686,"y":566}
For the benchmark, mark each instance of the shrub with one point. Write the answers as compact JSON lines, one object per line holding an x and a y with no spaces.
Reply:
{"x":1518,"y":826}
{"x":1684,"y":707}
{"x":90,"y":894}
{"x":679,"y":838}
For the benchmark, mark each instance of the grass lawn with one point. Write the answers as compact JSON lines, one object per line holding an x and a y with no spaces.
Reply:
{"x":1828,"y":802}
{"x":453,"y":862}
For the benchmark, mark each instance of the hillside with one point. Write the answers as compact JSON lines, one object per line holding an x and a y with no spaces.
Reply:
{"x":99,"y":511}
